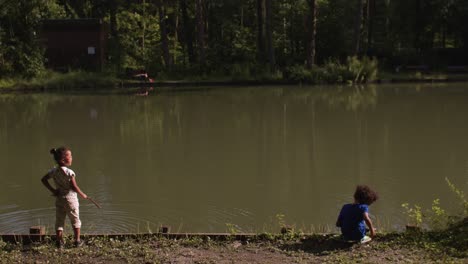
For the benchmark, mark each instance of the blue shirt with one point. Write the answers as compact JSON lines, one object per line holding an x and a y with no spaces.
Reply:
{"x":351,"y":221}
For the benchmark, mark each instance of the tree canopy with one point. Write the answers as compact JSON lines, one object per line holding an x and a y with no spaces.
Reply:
{"x":243,"y":37}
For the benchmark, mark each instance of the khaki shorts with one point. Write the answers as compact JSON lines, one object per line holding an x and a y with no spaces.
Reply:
{"x":67,"y":206}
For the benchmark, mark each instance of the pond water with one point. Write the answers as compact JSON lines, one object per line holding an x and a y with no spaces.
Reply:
{"x":243,"y":159}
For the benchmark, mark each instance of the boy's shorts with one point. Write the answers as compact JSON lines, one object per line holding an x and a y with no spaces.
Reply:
{"x":67,"y":206}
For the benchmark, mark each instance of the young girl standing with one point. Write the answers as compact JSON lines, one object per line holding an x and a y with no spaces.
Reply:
{"x":354,"y":217}
{"x":65,"y":191}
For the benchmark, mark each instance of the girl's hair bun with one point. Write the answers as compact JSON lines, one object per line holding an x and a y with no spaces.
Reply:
{"x":59,"y":153}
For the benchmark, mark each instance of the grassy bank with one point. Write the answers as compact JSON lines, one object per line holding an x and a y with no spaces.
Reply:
{"x":448,"y":246}
{"x":332,"y":74}
{"x":61,"y":81}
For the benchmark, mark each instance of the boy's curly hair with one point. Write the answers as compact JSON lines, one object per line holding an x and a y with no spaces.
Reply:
{"x":365,"y":195}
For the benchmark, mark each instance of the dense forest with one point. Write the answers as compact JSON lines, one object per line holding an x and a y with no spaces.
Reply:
{"x":174,"y":38}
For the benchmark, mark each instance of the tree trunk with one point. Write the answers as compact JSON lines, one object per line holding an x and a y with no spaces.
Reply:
{"x":358,"y":27}
{"x":261,"y":31}
{"x":164,"y":39}
{"x":114,"y":44}
{"x":365,"y":27}
{"x":312,"y":33}
{"x":419,"y":26}
{"x":444,"y":35}
{"x":144,"y":27}
{"x":113,"y":18}
{"x":242,"y":16}
{"x":187,"y":31}
{"x":370,"y":26}
{"x":176,"y":35}
{"x":269,"y":34}
{"x":200,"y":31}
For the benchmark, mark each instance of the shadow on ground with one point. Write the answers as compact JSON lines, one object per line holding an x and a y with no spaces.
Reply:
{"x":319,"y":245}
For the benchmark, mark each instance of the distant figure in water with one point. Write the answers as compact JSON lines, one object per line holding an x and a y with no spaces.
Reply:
{"x":142,"y":92}
{"x":353,"y":217}
{"x":65,"y":192}
{"x":143,"y":76}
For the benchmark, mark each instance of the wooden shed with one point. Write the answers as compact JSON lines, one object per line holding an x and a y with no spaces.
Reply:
{"x":74,"y":44}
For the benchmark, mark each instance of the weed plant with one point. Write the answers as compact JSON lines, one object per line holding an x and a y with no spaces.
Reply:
{"x":73,"y":80}
{"x":436,"y":217}
{"x":437,"y":230}
{"x":353,"y":71}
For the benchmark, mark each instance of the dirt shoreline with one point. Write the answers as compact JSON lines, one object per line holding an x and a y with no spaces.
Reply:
{"x":232,"y":248}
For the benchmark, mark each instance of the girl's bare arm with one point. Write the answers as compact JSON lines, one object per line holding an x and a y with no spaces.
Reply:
{"x":45,"y":181}
{"x":77,"y":189}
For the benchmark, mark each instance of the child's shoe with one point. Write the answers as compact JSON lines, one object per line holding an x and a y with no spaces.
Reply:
{"x":365,"y":239}
{"x":59,"y":244}
{"x":79,"y":243}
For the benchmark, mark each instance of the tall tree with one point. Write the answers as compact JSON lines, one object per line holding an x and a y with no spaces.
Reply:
{"x":163,"y":29}
{"x":114,"y":42}
{"x":312,"y":17}
{"x":358,"y":26}
{"x":200,"y":21}
{"x":176,"y":31}
{"x":187,"y":31}
{"x":370,"y":25}
{"x":261,"y":31}
{"x":20,"y":51}
{"x":269,"y":35}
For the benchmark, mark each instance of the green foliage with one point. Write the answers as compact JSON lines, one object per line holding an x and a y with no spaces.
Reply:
{"x":62,"y":81}
{"x":461,"y":197}
{"x":334,"y":28}
{"x":7,"y":83}
{"x":240,"y":72}
{"x":335,"y":72}
{"x":414,"y":214}
{"x":456,"y":238}
{"x":355,"y":71}
{"x":436,"y":218}
{"x":77,"y":80}
{"x":138,"y":28}
{"x":281,"y":220}
{"x":300,"y":73}
{"x":232,"y":228}
{"x":363,"y":70}
{"x":21,"y":53}
{"x":397,"y":32}
{"x":288,"y":232}
{"x":30,"y":61}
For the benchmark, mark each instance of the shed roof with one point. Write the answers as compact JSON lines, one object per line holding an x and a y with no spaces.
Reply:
{"x":87,"y":24}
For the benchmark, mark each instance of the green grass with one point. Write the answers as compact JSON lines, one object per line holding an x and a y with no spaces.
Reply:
{"x":76,"y":80}
{"x":449,"y":246}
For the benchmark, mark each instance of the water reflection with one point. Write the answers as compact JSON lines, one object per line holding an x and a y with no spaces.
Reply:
{"x":199,"y":160}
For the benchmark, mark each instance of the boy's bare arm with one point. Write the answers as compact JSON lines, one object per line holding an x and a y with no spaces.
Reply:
{"x":369,"y":224}
{"x":77,"y":189}
{"x":338,"y":222}
{"x":45,"y":181}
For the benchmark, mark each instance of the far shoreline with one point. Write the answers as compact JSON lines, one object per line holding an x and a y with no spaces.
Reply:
{"x":124,"y":86}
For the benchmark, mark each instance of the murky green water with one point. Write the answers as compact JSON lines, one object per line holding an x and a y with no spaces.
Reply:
{"x":213,"y":160}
